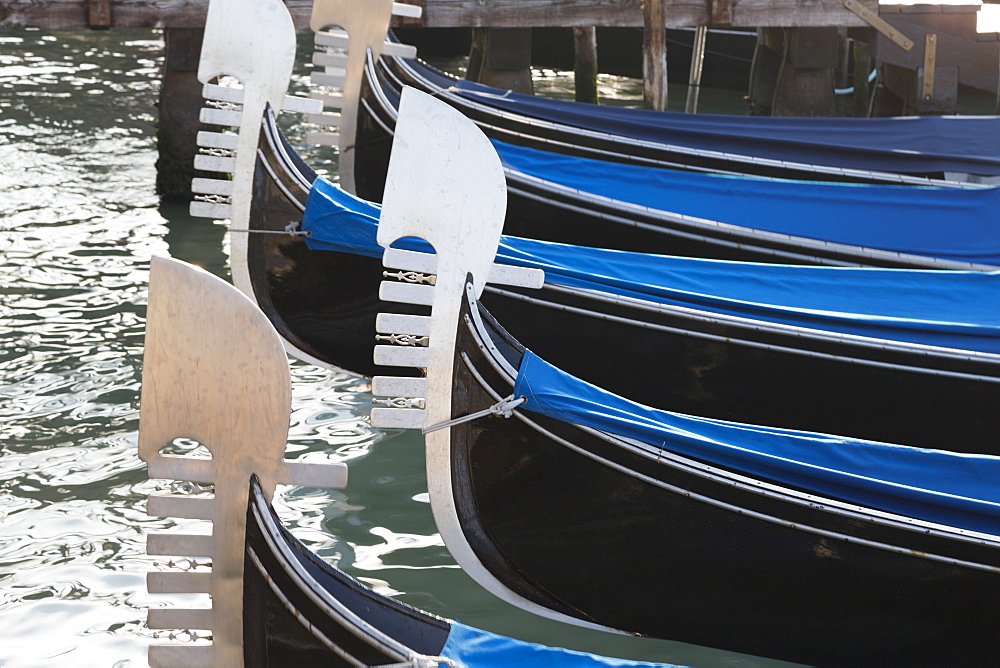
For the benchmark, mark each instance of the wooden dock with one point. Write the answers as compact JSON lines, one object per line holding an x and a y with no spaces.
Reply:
{"x":455,"y":13}
{"x":924,"y":50}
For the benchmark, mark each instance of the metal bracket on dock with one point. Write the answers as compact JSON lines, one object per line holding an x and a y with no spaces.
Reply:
{"x":880,"y":24}
{"x":930,"y":63}
{"x":99,"y":13}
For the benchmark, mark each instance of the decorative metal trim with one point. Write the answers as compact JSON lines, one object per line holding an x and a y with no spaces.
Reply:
{"x":411,"y":277}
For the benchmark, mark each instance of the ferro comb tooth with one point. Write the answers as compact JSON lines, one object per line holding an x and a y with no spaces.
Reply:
{"x":302,"y":105}
{"x":328,"y":79}
{"x":398,"y":418}
{"x":179,"y":544}
{"x":401,"y":323}
{"x":222,"y":93}
{"x":189,"y":656}
{"x":179,"y":467}
{"x":177,"y":505}
{"x":398,"y":50}
{"x":397,"y":258}
{"x":180,"y":618}
{"x":205,"y":186}
{"x":406,"y":293}
{"x":329,"y":59}
{"x":210,"y":210}
{"x":167,"y":582}
{"x":217,"y":140}
{"x":409,"y":11}
{"x":212,"y":116}
{"x":521,"y":277}
{"x":395,"y":386}
{"x":214,"y":163}
{"x":399,"y":356}
{"x":337,"y":39}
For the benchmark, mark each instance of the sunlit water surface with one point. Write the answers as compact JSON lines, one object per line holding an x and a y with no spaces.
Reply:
{"x":79,"y":222}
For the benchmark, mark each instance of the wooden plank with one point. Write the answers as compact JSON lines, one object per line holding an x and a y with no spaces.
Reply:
{"x":557,"y":13}
{"x":124,"y":13}
{"x":976,"y":60}
{"x":459,"y":13}
{"x":880,"y":24}
{"x":798,"y":13}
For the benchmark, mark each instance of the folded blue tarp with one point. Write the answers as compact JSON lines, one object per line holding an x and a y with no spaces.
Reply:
{"x":944,"y":223}
{"x":917,"y":145}
{"x":468,"y":647}
{"x":948,"y":488}
{"x":948,"y":309}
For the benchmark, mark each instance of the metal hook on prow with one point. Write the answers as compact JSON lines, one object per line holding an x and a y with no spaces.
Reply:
{"x":214,"y":370}
{"x":445,"y":184}
{"x":360,"y":28}
{"x":252,"y":41}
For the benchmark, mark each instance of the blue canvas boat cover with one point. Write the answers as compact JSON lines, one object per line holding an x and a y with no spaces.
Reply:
{"x":475,"y":648}
{"x":915,"y":145}
{"x":949,"y":488}
{"x":943,"y":223}
{"x":940,"y":308}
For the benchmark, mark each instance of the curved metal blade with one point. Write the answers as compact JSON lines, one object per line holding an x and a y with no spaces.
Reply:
{"x":214,"y":371}
{"x":445,"y":184}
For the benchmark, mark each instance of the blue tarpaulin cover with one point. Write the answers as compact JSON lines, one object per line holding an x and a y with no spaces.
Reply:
{"x":917,"y":144}
{"x":950,"y":488}
{"x":948,"y":309}
{"x":467,"y":646}
{"x":944,"y":223}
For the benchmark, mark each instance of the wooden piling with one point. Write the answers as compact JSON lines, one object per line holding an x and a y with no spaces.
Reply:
{"x":501,"y":57}
{"x":861,"y":99}
{"x":585,"y":64}
{"x":179,"y":106}
{"x":654,"y":55}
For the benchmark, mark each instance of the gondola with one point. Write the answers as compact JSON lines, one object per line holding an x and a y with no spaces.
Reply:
{"x":691,"y":355}
{"x":899,"y":150}
{"x":822,"y":549}
{"x":301,"y":610}
{"x":632,"y":207}
{"x":870,"y":150}
{"x":275,"y":602}
{"x":677,"y":539}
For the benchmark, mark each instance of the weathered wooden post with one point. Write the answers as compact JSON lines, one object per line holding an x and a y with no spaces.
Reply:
{"x":179,"y":105}
{"x":654,"y":55}
{"x":862,"y":88}
{"x":805,"y":85}
{"x":501,"y":57}
{"x":585,"y":65}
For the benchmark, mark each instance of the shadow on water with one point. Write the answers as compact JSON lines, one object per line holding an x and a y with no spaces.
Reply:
{"x":199,"y":241}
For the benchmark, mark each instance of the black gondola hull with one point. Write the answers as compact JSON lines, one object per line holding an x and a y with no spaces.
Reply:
{"x":539,"y":210}
{"x":325,"y":303}
{"x":670,"y":549}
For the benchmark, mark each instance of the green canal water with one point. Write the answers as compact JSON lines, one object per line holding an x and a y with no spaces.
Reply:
{"x":79,"y":221}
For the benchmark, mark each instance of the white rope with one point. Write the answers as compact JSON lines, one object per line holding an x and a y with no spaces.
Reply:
{"x":503,"y":408}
